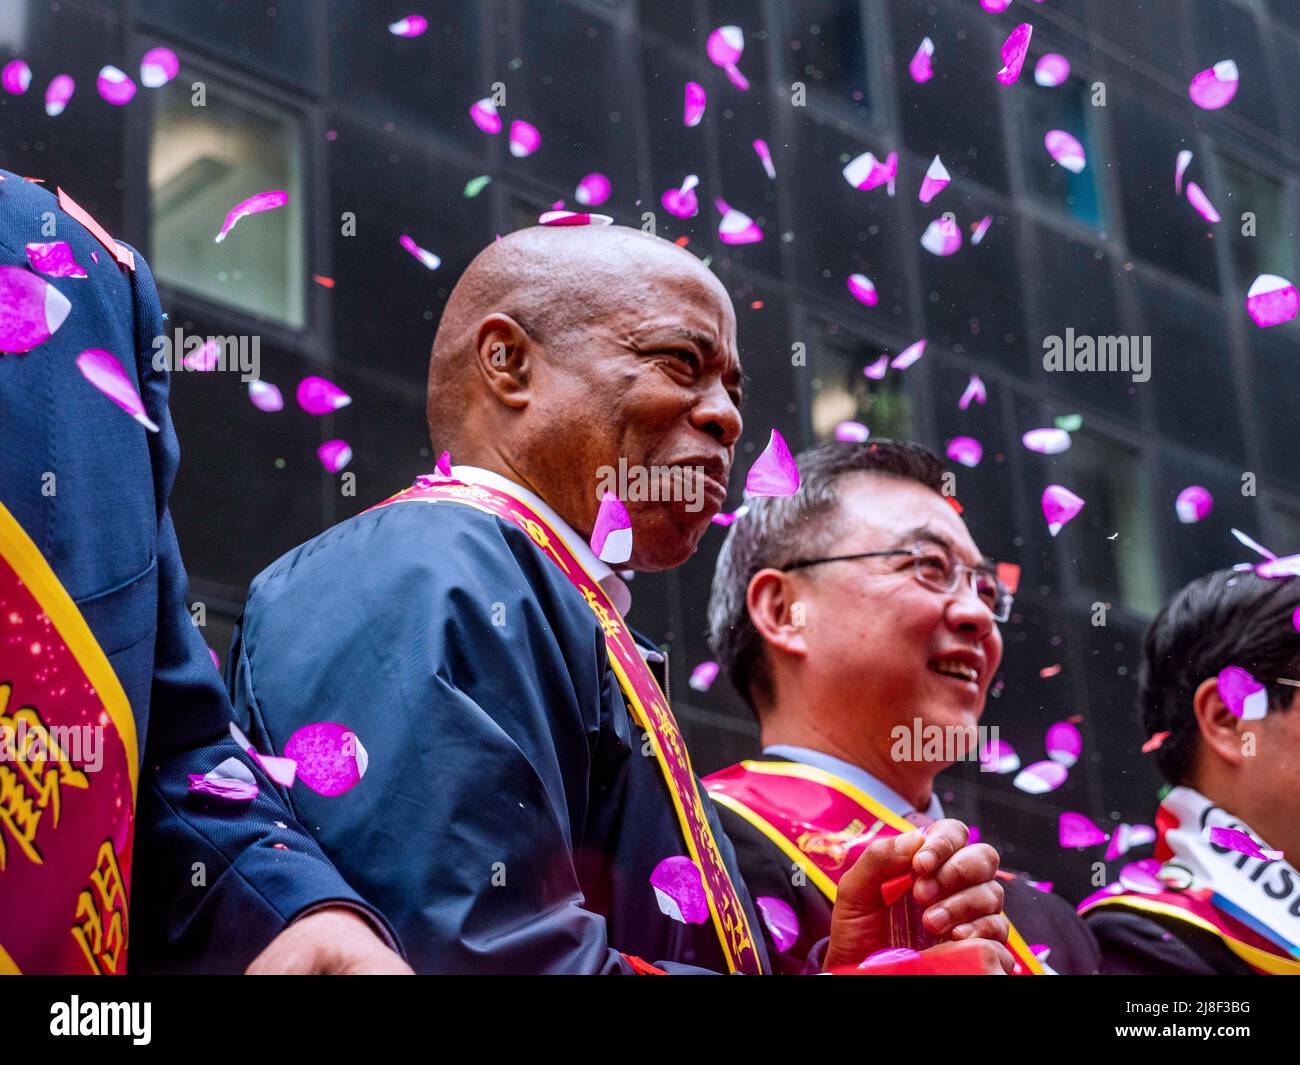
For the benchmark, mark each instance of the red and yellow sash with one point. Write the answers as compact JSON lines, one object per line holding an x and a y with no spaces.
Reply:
{"x":820,"y":822}
{"x":65,"y":828}
{"x":648,"y":706}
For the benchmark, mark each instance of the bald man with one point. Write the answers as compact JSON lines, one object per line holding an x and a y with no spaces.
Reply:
{"x":527,"y":804}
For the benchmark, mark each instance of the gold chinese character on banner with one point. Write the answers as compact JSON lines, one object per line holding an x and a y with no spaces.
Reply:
{"x":102,"y":933}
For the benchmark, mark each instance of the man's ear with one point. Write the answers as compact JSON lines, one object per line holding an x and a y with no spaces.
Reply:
{"x":504,"y":352}
{"x":776,"y":612}
{"x":1219,"y":727}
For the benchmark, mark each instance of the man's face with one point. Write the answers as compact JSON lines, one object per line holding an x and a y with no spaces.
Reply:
{"x":882,"y":648}
{"x":654,"y":382}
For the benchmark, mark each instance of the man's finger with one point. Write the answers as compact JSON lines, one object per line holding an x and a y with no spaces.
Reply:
{"x":942,"y":840}
{"x":996,"y":927}
{"x":882,"y":860}
{"x":967,"y":867}
{"x":969,"y":904}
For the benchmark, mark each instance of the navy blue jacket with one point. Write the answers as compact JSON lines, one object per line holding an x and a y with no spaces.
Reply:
{"x":107,"y":534}
{"x":512,"y":813}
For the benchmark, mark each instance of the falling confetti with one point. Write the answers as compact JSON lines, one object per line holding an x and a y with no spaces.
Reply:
{"x":868,"y":172}
{"x":1154,"y":742}
{"x":774,"y":472}
{"x":485,"y":116}
{"x":1009,"y":574}
{"x":999,"y":757}
{"x":736,"y":227}
{"x":1047,"y":441}
{"x":1070,"y":423}
{"x":1272,"y":300}
{"x":115,"y":86}
{"x":319,"y":396}
{"x":426,"y":257}
{"x":693,"y":104}
{"x":611,"y":538}
{"x":573,"y":218}
{"x":1236,"y":840}
{"x":725,"y":46}
{"x":280,"y":770}
{"x":682,"y":202}
{"x":1065,"y":149}
{"x":780,"y":919}
{"x":1277,"y":568}
{"x":1142,"y":877}
{"x":231,"y":781}
{"x":1214,"y":87}
{"x":334,"y":455}
{"x":256,"y":204}
{"x":1063,"y":743}
{"x":1052,"y":70}
{"x":158,"y":67}
{"x":765,"y":157}
{"x":1041,"y":777}
{"x":329,"y":756}
{"x":1077,"y":830}
{"x":16,"y":77}
{"x":58,"y":94}
{"x":941,"y":237}
{"x":852,"y":433}
{"x":679,"y":889}
{"x":31,"y":309}
{"x":524,"y":139}
{"x":1060,"y":505}
{"x":1180,"y":168}
{"x":876,"y":370}
{"x":204,"y":359}
{"x":1197,"y":198}
{"x":936,"y":180}
{"x":1193,"y":504}
{"x":908,"y":356}
{"x":102,"y":370}
{"x":411,"y":26}
{"x":593,"y":190}
{"x":1126,"y":837}
{"x":1014,"y":49}
{"x":966,"y":450}
{"x":863,"y":289}
{"x":265,"y":396}
{"x":703,"y":676}
{"x":975,"y":393}
{"x":980,"y":228}
{"x":475,"y":185}
{"x":1242,"y":694}
{"x":920,"y":67}
{"x":54,"y":259}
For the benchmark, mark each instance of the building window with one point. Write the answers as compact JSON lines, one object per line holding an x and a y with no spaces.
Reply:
{"x":203,"y":161}
{"x":1261,"y":243}
{"x":1067,"y":107}
{"x":841,"y":392}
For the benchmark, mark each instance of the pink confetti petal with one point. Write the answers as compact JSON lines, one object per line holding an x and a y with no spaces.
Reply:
{"x":1041,"y":777}
{"x":736,"y":227}
{"x":280,"y":770}
{"x":920,"y":67}
{"x":941,"y":237}
{"x":887,"y":956}
{"x":1241,"y":842}
{"x":1047,"y":441}
{"x":1065,"y":149}
{"x":1272,"y":300}
{"x":593,"y":190}
{"x":863,"y":289}
{"x":1013,"y":53}
{"x":908,"y":356}
{"x":228,"y":789}
{"x":726,"y":45}
{"x":780,"y":919}
{"x":936,"y":180}
{"x":1142,"y":877}
{"x":426,"y":257}
{"x":265,"y":396}
{"x":1252,"y":544}
{"x":1060,"y":505}
{"x":330,"y":757}
{"x":774,"y":472}
{"x":966,"y":450}
{"x":334,"y":455}
{"x":980,"y":228}
{"x":1197,"y":198}
{"x":54,"y":259}
{"x":703,"y":676}
{"x":205,"y":358}
{"x":1242,"y":694}
{"x":1126,"y":837}
{"x":573,"y":218}
{"x":319,"y":396}
{"x":485,"y":115}
{"x":1063,"y":743}
{"x":999,"y":757}
{"x":1215,"y":86}
{"x":1076,"y":830}
{"x":611,"y":539}
{"x":411,"y":26}
{"x":682,"y":202}
{"x":1193,"y":504}
{"x":58,"y":93}
{"x":868,"y":172}
{"x":852,"y":433}
{"x":764,"y":154}
{"x":256,"y":204}
{"x":15,"y":77}
{"x":216,"y":661}
{"x":102,"y":370}
{"x":31,"y":309}
{"x":995,"y":7}
{"x":876,"y":370}
{"x":696,"y":99}
{"x":1295,"y":619}
{"x":1180,"y":168}
{"x":115,"y":86}
{"x":1277,"y":568}
{"x":158,"y":67}
{"x":1052,"y":70}
{"x":444,"y":464}
{"x":737,"y":78}
{"x":524,"y":139}
{"x":679,"y":889}
{"x":975,"y":393}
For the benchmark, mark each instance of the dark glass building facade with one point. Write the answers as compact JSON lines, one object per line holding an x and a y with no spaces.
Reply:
{"x":371,"y":136}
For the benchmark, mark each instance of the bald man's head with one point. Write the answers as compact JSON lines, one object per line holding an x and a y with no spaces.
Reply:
{"x":565,"y":349}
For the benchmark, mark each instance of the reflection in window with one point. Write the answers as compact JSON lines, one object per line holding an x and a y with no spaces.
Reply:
{"x":826,"y":48}
{"x":1268,"y":250}
{"x":1122,"y":571}
{"x":841,"y":392}
{"x":203,"y":161}
{"x":1066,"y":107}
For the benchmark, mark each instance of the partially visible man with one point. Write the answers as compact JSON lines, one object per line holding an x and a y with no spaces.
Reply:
{"x":529,"y":805}
{"x":93,"y":583}
{"x":849,"y":616}
{"x":1231,"y":751}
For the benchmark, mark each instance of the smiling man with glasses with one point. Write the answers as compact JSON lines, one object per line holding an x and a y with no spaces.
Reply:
{"x":857,"y":607}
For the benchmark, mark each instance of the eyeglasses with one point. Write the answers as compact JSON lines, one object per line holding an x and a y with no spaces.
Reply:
{"x":936,"y":569}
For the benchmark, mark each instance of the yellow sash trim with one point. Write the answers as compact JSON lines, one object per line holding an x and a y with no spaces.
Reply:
{"x":8,"y":967}
{"x":1261,"y":959}
{"x":643,"y":720}
{"x":882,"y":813}
{"x":26,"y":559}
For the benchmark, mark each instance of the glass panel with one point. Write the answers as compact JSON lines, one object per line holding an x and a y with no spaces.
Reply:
{"x":1269,"y":247}
{"x":841,"y":392}
{"x":825,"y":48}
{"x":203,"y":161}
{"x":1067,"y":107}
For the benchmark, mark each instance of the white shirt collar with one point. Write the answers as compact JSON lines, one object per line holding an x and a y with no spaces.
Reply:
{"x":857,"y":776}
{"x":602,"y":573}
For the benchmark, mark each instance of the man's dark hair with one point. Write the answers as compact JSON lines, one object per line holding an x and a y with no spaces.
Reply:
{"x":778,"y":529}
{"x":1228,"y":618}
